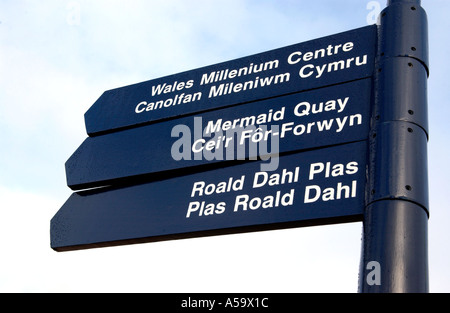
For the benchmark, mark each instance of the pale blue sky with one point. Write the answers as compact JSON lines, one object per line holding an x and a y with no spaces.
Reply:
{"x":57,"y":57}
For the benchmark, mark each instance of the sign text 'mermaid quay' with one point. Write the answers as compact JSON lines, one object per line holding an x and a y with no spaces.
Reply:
{"x":321,"y":62}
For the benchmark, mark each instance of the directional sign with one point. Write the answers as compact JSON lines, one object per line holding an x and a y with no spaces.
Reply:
{"x":310,"y":188}
{"x":313,"y":64}
{"x":323,"y":117}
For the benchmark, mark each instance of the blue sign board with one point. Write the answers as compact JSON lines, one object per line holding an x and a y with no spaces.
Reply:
{"x":317,"y":63}
{"x":301,"y":121}
{"x":269,"y":141}
{"x":315,"y":187}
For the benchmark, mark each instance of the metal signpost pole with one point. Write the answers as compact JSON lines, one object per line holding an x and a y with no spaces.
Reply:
{"x":394,"y":255}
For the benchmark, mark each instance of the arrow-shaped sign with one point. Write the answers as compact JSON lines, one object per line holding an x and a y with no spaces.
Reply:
{"x":323,"y":117}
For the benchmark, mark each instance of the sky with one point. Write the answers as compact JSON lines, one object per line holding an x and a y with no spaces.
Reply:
{"x":57,"y":57}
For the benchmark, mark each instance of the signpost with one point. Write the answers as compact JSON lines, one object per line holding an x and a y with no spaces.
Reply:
{"x":316,"y":63}
{"x":328,"y":131}
{"x":394,"y":254}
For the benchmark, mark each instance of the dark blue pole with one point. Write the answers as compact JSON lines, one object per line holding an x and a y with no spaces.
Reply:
{"x":394,"y":255}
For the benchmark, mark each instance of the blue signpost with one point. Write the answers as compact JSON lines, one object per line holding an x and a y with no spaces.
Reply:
{"x":278,"y":139}
{"x":328,"y":131}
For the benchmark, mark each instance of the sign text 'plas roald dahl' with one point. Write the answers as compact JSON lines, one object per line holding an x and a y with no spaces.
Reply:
{"x":295,"y":122}
{"x":313,"y":64}
{"x":319,"y":186}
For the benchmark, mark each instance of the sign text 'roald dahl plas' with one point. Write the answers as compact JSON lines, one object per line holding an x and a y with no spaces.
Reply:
{"x":316,"y":63}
